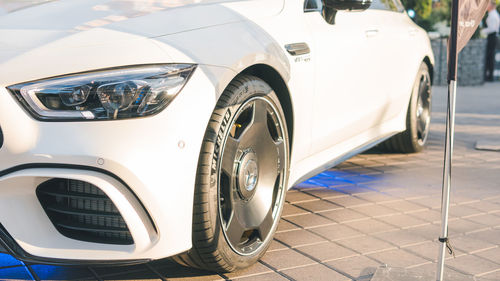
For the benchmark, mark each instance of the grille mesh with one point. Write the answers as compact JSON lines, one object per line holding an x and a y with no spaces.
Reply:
{"x":81,"y":211}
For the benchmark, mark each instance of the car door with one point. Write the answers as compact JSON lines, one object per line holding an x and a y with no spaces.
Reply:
{"x":345,"y":101}
{"x":393,"y":51}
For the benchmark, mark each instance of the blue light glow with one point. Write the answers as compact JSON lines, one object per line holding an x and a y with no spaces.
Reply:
{"x":411,"y":13}
{"x":7,"y":261}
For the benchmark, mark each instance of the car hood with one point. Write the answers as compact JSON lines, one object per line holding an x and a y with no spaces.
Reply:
{"x":136,"y":16}
{"x":35,"y":30}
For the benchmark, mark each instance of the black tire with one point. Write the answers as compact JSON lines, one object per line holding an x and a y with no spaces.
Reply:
{"x":225,"y":205}
{"x":418,"y":117}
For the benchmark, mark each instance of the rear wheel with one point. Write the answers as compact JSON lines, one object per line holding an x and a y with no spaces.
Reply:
{"x":418,"y":118}
{"x":241,"y":181}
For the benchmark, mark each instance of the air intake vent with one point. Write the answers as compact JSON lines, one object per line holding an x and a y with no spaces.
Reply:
{"x":81,"y":211}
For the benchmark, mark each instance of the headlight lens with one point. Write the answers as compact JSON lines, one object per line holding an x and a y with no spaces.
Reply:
{"x":104,"y":95}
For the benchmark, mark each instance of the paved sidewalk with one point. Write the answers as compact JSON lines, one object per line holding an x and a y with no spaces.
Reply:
{"x":372,"y":210}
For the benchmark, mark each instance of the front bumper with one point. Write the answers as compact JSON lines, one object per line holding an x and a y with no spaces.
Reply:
{"x":147,"y":167}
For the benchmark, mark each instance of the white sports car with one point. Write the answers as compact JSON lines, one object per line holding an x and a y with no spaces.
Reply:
{"x":134,"y":130}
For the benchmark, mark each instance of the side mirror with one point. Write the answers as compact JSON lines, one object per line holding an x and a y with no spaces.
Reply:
{"x":330,"y":7}
{"x":352,"y":5}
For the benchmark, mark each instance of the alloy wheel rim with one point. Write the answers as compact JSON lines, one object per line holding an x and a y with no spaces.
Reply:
{"x":252,"y":174}
{"x":423,"y":111}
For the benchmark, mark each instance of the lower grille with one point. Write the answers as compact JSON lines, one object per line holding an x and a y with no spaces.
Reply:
{"x":81,"y":211}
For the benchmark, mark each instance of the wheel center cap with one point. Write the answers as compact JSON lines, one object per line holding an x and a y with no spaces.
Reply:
{"x":248,"y":174}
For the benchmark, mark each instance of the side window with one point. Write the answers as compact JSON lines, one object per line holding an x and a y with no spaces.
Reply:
{"x":388,"y":5}
{"x":312,"y":5}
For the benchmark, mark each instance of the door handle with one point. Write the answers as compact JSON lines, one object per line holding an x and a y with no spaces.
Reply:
{"x":297,"y":49}
{"x":371,"y":32}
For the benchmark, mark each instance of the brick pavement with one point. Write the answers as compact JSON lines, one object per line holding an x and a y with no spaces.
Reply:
{"x":372,"y":210}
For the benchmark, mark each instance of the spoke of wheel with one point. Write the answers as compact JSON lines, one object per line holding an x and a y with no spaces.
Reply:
{"x":423,"y":85}
{"x":266,"y":225}
{"x":421,"y":127}
{"x":229,"y":155}
{"x":259,"y":112}
{"x":235,"y":228}
{"x":280,"y":148}
{"x":423,"y":91}
{"x":258,"y":207}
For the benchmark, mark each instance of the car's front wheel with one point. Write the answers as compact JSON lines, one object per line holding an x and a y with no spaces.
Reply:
{"x":241,"y":180}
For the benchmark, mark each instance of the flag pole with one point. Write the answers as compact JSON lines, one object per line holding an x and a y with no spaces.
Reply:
{"x":448,"y":149}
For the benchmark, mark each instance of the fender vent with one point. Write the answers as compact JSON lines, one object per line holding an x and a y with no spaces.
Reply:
{"x":81,"y":211}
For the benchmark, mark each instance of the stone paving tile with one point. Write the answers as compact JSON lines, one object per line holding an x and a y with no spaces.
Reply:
{"x":256,"y":269}
{"x":285,"y":225}
{"x":353,"y":189}
{"x":470,"y":244}
{"x":324,"y":193}
{"x":375,"y":210}
{"x":376,"y":197}
{"x":296,"y":197}
{"x":486,"y":219}
{"x":472,"y":264}
{"x":431,"y":216}
{"x":463,"y":226}
{"x":464,"y":199}
{"x":317,"y":272}
{"x":490,"y":236}
{"x":463,"y":211}
{"x":491,"y":255}
{"x":300,"y":237}
{"x":276,"y":246}
{"x":433,"y":202}
{"x":370,"y":226}
{"x":400,"y":238}
{"x":318,"y":206}
{"x":286,"y":259}
{"x":404,"y":206}
{"x":493,"y":276}
{"x":429,"y":250}
{"x":406,"y":194}
{"x":398,"y":258}
{"x":344,"y":215}
{"x":310,"y":220}
{"x":429,"y":231}
{"x":271,"y":276}
{"x":451,"y":274}
{"x":366,"y":244}
{"x":336,"y":232}
{"x":358,"y":266}
{"x":291,"y":210}
{"x":349,"y":201}
{"x":403,"y":221}
{"x":327,"y":251}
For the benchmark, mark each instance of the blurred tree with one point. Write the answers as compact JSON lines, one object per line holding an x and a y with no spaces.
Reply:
{"x":428,"y":13}
{"x":422,"y":8}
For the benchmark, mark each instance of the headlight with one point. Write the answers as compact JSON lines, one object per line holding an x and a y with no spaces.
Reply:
{"x":103,"y":95}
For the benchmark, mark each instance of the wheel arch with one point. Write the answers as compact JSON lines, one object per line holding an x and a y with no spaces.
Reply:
{"x":272,"y":77}
{"x":429,"y":64}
